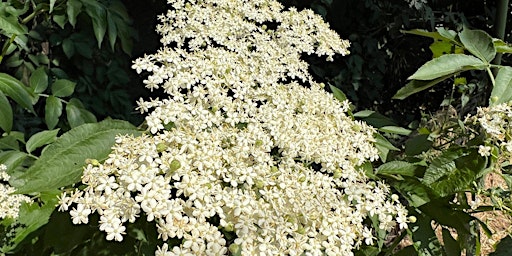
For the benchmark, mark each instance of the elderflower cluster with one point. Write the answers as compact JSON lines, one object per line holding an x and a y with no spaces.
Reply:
{"x":496,"y":121}
{"x":9,"y":201}
{"x":246,"y":144}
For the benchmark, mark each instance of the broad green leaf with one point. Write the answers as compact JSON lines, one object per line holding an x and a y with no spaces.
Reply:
{"x":448,"y":34}
{"x":31,"y":217}
{"x":52,"y":4}
{"x":61,"y":163}
{"x":395,"y":130}
{"x":98,"y":14}
{"x":425,"y":239}
{"x":15,"y":89}
{"x":502,"y":91}
{"x":68,"y":47}
{"x":397,"y":168}
{"x":441,"y":166}
{"x":40,"y":139}
{"x":450,"y":244}
{"x":52,"y":111}
{"x":77,"y":114}
{"x":417,"y":144}
{"x":383,"y":146}
{"x":501,"y":46}
{"x":440,"y":48}
{"x":467,"y":169}
{"x":373,"y":118}
{"x":9,"y":142}
{"x":39,"y":80}
{"x":449,"y":64}
{"x":63,"y":88}
{"x":338,"y":94}
{"x":415,"y":86}
{"x":74,"y":7}
{"x":503,"y":247}
{"x":479,"y":43}
{"x":412,"y":190}
{"x":60,"y":20}
{"x":112,"y":30}
{"x":5,"y":113}
{"x":12,"y":159}
{"x":10,"y":25}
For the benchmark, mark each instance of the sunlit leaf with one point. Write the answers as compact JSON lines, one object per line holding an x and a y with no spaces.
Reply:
{"x":40,"y":139}
{"x":502,"y":91}
{"x":479,"y":43}
{"x":448,"y":64}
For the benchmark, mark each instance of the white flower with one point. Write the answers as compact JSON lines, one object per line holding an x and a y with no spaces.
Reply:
{"x":484,"y":150}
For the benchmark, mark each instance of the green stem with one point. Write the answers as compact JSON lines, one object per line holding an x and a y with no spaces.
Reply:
{"x":491,"y":76}
{"x":6,"y":47}
{"x":500,"y":23}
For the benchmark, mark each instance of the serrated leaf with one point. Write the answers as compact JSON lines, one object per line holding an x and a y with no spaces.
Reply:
{"x":412,"y":190}
{"x":62,"y":162}
{"x":10,"y":25}
{"x":73,"y":8}
{"x":416,"y":86}
{"x":52,"y":111}
{"x":448,"y":64}
{"x":502,"y":91}
{"x":397,"y":168}
{"x":441,"y":166}
{"x":39,"y":80}
{"x":5,"y":113}
{"x":63,"y":88}
{"x":98,"y":15}
{"x":479,"y":43}
{"x":395,"y":130}
{"x":15,"y":89}
{"x":40,"y":139}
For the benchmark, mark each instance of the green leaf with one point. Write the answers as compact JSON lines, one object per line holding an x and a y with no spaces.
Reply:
{"x":10,"y":25}
{"x":74,"y":7}
{"x":501,"y":46}
{"x":373,"y":118}
{"x":502,"y":91}
{"x":15,"y":89}
{"x":98,"y":15}
{"x":39,"y":80}
{"x":425,"y":239}
{"x":504,"y":247}
{"x":383,"y":146}
{"x":52,"y":4}
{"x":77,"y":114}
{"x":395,"y":130}
{"x":397,"y":168}
{"x":440,"y":48}
{"x":5,"y":113}
{"x":52,"y":111}
{"x":40,"y":139}
{"x":446,"y":179}
{"x":63,"y":88}
{"x":60,"y":20}
{"x":338,"y":94}
{"x":449,"y":64}
{"x":415,"y":86}
{"x":441,"y":166}
{"x":450,"y":244}
{"x":31,"y":217}
{"x":12,"y":159}
{"x":479,"y":43}
{"x":112,"y":30}
{"x":62,"y":162}
{"x":417,"y":144}
{"x":412,"y":190}
{"x":68,"y":47}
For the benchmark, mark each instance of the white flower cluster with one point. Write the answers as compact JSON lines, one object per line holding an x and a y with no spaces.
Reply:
{"x":496,"y":121}
{"x":417,"y":4}
{"x":9,"y":201}
{"x":246,"y":143}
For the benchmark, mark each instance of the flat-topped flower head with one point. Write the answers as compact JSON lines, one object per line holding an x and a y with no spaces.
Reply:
{"x":10,"y":202}
{"x":246,"y":136}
